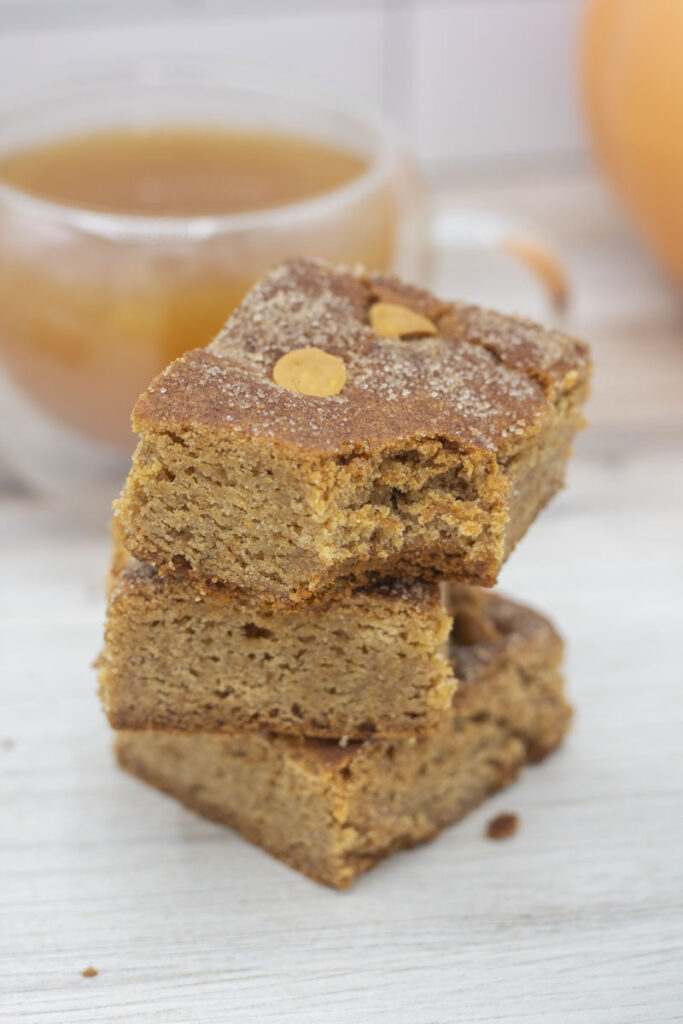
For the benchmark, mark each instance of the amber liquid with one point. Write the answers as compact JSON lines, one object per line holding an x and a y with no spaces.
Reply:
{"x":86,"y":320}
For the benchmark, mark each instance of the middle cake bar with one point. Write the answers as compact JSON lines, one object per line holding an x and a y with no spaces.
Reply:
{"x":372,"y":662}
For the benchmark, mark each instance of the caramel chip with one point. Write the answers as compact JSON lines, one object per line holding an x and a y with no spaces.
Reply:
{"x":392,"y":321}
{"x":310,"y":371}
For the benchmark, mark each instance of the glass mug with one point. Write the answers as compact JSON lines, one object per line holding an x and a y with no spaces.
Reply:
{"x":94,"y":303}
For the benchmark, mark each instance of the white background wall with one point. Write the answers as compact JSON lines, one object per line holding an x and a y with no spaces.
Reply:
{"x":472,"y":82}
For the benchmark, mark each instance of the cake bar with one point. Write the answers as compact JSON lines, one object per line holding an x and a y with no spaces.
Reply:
{"x":374,"y":661}
{"x":333,"y":811}
{"x":345,"y":428}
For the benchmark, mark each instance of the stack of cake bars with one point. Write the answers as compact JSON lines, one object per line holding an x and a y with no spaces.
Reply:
{"x":300,"y":641}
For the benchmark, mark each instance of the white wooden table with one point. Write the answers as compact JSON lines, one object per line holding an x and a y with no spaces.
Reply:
{"x":578,"y":918}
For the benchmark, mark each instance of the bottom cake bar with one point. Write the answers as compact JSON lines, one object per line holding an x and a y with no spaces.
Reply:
{"x":334,"y":811}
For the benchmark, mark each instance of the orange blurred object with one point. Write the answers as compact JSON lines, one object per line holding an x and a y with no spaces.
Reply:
{"x":633,"y":88}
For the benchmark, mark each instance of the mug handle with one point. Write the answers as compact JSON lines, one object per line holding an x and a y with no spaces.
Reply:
{"x":458,"y":229}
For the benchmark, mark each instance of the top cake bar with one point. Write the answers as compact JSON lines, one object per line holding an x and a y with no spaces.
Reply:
{"x":347,"y":427}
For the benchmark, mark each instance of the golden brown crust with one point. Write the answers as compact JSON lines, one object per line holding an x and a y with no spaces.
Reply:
{"x":485,"y":382}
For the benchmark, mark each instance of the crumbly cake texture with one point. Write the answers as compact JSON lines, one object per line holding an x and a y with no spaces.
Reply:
{"x":430,"y":463}
{"x":370,"y":662}
{"x":333,"y":811}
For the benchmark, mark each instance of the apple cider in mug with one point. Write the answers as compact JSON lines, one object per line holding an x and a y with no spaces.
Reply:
{"x":130,"y":246}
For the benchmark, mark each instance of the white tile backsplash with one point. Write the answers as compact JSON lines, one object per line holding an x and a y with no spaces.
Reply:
{"x":470,"y":81}
{"x":342,"y":48}
{"x":493,"y":80}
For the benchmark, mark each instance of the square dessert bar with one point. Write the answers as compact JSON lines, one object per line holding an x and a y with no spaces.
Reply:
{"x":346,"y":427}
{"x":334,"y":811}
{"x":373,"y":661}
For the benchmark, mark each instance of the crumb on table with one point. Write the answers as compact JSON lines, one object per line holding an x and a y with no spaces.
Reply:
{"x":89,"y":972}
{"x":503,"y":826}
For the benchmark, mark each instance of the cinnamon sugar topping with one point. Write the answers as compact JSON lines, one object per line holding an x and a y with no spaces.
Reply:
{"x":477,"y":379}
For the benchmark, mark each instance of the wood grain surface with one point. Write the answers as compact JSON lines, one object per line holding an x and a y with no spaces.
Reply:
{"x":577,"y":918}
